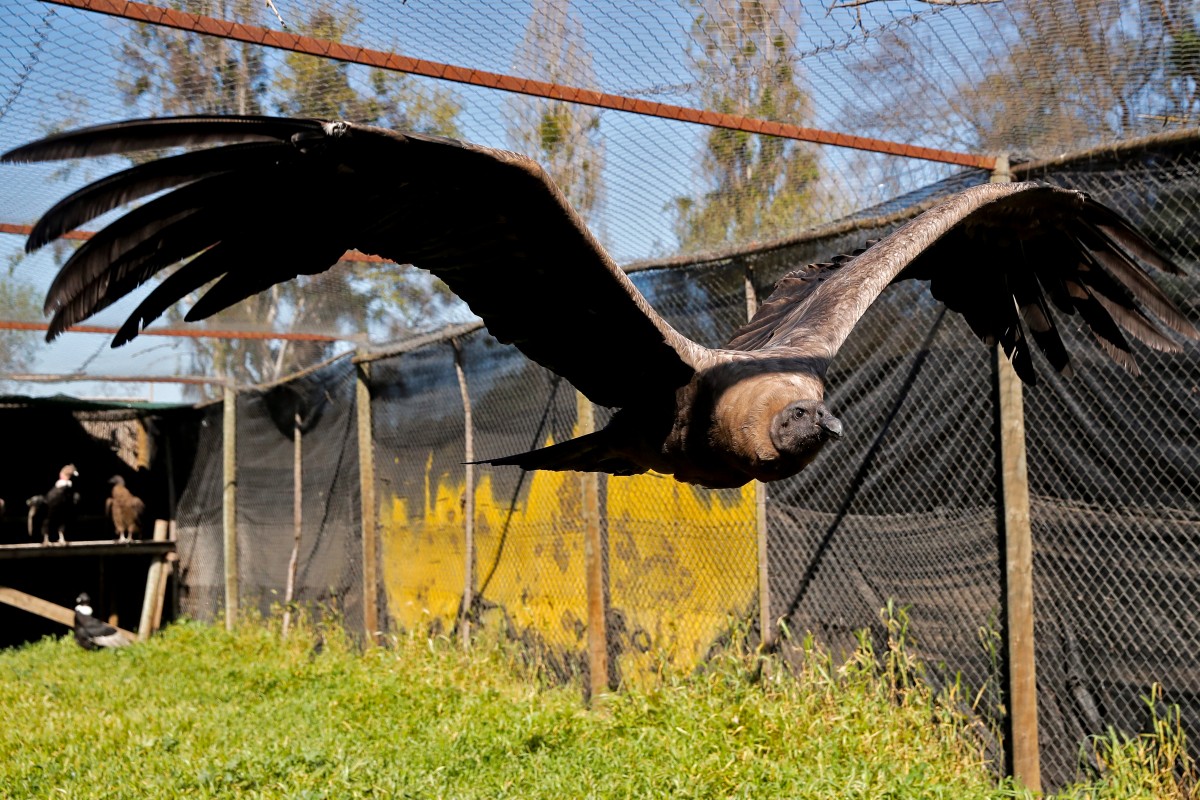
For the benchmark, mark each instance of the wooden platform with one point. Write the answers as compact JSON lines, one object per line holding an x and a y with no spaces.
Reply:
{"x":44,"y":608}
{"x":101,"y":547}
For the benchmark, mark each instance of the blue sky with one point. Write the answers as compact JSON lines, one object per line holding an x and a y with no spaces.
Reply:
{"x":58,"y":64}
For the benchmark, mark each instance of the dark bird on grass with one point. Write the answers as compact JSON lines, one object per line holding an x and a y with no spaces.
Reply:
{"x":125,"y":509}
{"x":287,"y":197}
{"x":92,"y":633}
{"x":54,"y":511}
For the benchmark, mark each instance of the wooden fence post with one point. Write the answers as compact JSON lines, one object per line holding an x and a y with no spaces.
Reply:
{"x":1018,"y":563}
{"x":468,"y":596}
{"x":595,"y":548}
{"x":366,"y":489}
{"x":156,"y":584}
{"x":229,"y":504}
{"x":289,"y":589}
{"x":766,"y":625}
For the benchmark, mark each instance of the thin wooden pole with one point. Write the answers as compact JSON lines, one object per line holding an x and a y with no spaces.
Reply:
{"x":143,"y":445}
{"x":468,"y":598}
{"x":1018,"y":564}
{"x":766,"y":624}
{"x":229,"y":504}
{"x":297,"y":522}
{"x":172,"y":506}
{"x":366,"y":488}
{"x":155,"y":585}
{"x":595,"y":547}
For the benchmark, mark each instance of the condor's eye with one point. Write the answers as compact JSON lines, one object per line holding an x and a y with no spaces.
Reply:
{"x":797,"y":412}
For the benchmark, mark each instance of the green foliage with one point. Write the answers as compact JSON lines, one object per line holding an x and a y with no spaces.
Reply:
{"x":563,"y":137}
{"x":18,"y":301}
{"x":198,"y":712}
{"x":166,"y":71}
{"x":1071,"y":74}
{"x":321,"y":87}
{"x":180,"y":74}
{"x":761,"y":186}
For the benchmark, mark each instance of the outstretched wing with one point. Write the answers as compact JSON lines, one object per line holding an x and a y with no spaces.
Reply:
{"x":1000,"y":255}
{"x":290,"y":196}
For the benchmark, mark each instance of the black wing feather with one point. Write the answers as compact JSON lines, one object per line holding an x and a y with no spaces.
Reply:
{"x":153,"y":134}
{"x":139,"y":181}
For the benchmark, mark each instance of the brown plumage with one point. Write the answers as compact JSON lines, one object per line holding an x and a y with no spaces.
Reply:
{"x":125,"y":510}
{"x":286,"y":197}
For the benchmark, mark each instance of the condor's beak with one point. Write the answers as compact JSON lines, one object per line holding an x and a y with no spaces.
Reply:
{"x":831,"y":425}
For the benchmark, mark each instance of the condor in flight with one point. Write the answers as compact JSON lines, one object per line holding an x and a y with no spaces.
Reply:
{"x":287,"y":197}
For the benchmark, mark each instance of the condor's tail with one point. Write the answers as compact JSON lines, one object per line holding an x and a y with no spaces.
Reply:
{"x":590,"y":453}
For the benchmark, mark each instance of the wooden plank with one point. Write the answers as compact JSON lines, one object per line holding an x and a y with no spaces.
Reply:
{"x":595,"y":546}
{"x":88,"y":549}
{"x":1018,"y":563}
{"x":44,"y":608}
{"x":366,"y":489}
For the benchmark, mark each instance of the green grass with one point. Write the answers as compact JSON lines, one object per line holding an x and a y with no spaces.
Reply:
{"x":198,"y":712}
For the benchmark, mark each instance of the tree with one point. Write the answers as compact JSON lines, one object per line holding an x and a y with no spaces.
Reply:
{"x":1067,"y":75}
{"x":760,"y":186}
{"x":563,"y":137}
{"x":18,"y":301}
{"x":173,"y":72}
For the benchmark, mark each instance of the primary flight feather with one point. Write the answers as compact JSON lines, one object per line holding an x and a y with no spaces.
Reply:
{"x":284,"y":197}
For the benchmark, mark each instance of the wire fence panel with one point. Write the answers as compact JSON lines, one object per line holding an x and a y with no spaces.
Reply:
{"x":198,"y":526}
{"x":416,"y":412}
{"x":903,"y":512}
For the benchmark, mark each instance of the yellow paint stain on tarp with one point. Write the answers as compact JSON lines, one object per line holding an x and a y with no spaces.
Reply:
{"x":423,"y":554}
{"x":682,"y":561}
{"x":683,"y":564}
{"x":539,"y":580}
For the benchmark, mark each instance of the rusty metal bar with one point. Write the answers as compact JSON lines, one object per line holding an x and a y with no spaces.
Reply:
{"x":78,"y":376}
{"x":25,"y":230}
{"x":282,"y":40}
{"x":189,"y":333}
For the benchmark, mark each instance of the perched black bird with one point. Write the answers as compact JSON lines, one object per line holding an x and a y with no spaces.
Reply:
{"x":125,"y":510}
{"x":92,"y":633}
{"x":287,"y":197}
{"x":54,"y":511}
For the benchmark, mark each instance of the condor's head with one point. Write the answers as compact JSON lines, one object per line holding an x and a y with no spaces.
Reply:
{"x":771,"y":423}
{"x":802,"y":428}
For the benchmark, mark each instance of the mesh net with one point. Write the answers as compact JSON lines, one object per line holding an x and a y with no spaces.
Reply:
{"x":903,"y":510}
{"x":984,"y":78}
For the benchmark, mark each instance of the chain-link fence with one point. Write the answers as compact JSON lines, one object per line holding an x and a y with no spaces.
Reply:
{"x":904,"y":510}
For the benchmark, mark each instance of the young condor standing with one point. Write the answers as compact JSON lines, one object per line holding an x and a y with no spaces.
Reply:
{"x":54,"y":511}
{"x":125,"y":510}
